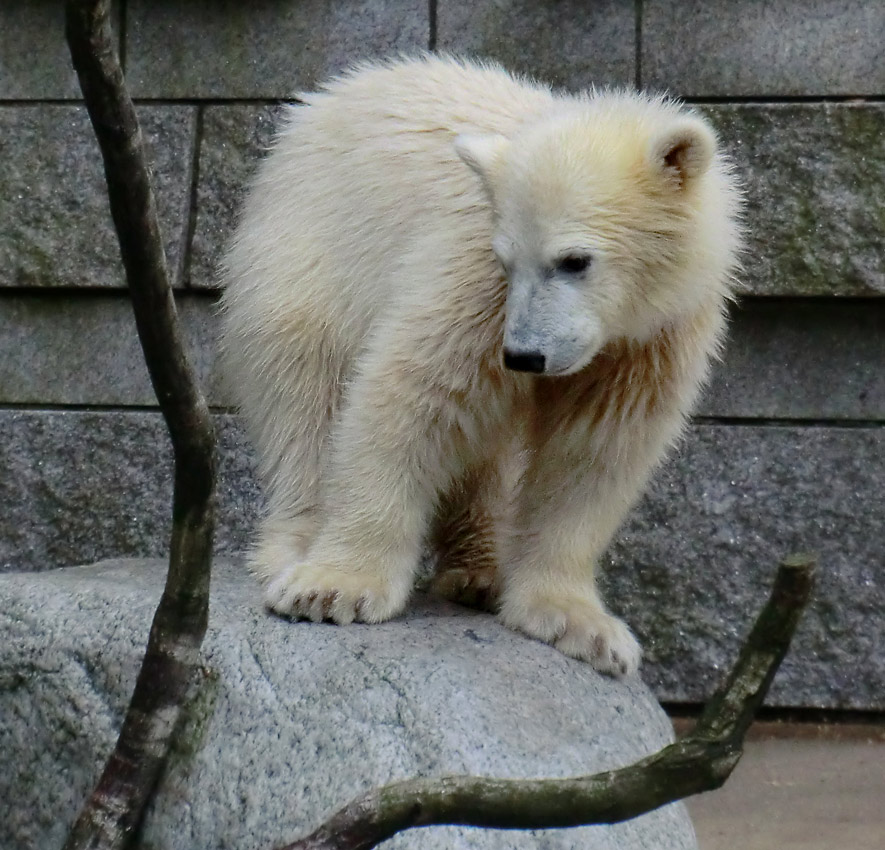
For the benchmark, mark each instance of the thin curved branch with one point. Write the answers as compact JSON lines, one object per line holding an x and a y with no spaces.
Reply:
{"x":702,"y":761}
{"x":111,"y":815}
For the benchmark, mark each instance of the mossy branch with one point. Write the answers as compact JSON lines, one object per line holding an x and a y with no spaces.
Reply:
{"x":702,"y":761}
{"x":111,"y":814}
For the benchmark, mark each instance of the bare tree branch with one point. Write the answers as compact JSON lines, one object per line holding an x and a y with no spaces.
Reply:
{"x":699,"y":762}
{"x":113,"y":811}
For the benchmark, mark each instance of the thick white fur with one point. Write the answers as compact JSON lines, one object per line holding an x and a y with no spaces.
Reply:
{"x":365,"y":314}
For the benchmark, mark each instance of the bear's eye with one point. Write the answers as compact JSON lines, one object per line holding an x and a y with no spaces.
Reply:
{"x":573,"y":264}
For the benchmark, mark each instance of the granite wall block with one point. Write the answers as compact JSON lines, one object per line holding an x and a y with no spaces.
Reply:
{"x":565,"y":42}
{"x":764,"y":47}
{"x":234,"y":138}
{"x":815,"y":183}
{"x":228,"y":49}
{"x":79,"y":486}
{"x":784,"y":358}
{"x":34,"y":60}
{"x":814,"y":176}
{"x":55,"y":223}
{"x":794,"y":358}
{"x":694,"y":563}
{"x":83,"y":349}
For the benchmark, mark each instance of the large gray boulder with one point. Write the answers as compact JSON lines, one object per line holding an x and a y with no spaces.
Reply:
{"x":291,"y":720}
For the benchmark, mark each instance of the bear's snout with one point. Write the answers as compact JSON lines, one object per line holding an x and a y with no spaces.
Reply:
{"x":524,"y":361}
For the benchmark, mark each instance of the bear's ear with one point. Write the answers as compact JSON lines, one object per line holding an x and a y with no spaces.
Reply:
{"x":683,"y":151}
{"x":482,"y":153}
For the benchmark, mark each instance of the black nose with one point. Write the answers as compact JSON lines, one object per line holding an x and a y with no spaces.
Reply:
{"x":524,"y":361}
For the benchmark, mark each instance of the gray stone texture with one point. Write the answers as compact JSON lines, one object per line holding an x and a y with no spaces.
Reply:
{"x":689,"y":570}
{"x":55,"y":224}
{"x":291,"y":720}
{"x":815,"y":183}
{"x":229,"y":49}
{"x":34,"y":59}
{"x":764,"y":47}
{"x":797,"y":358}
{"x":83,"y":349}
{"x":234,"y":138}
{"x":77,"y":486}
{"x":565,"y":42}
{"x":695,"y":561}
{"x":784,"y":359}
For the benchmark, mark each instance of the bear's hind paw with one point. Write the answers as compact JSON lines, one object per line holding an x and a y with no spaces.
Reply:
{"x":475,"y":588}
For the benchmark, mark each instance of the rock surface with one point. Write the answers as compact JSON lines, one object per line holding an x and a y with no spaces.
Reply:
{"x":292,"y":720}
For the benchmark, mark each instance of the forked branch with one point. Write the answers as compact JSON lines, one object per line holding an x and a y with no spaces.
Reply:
{"x":114,"y":809}
{"x":699,"y":762}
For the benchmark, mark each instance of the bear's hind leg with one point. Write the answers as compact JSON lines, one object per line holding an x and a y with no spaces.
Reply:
{"x":289,"y":397}
{"x":464,"y":542}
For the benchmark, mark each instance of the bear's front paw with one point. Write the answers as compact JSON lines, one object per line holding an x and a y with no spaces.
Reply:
{"x":323,"y":592}
{"x":577,"y":627}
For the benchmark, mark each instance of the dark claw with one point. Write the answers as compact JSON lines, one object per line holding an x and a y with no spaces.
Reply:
{"x":328,"y":601}
{"x":599,"y":646}
{"x":358,"y":609}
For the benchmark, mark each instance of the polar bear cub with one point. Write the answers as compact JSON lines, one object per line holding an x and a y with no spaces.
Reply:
{"x":465,"y":310}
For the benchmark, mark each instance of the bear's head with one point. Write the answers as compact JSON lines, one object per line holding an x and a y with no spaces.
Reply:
{"x":614,"y":217}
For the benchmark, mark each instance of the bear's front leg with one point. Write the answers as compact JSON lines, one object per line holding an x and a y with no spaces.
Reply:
{"x":387,"y":464}
{"x":570,"y":616}
{"x":566,"y":513}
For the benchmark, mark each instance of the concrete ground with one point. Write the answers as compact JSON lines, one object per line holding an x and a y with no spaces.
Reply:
{"x":800,"y":787}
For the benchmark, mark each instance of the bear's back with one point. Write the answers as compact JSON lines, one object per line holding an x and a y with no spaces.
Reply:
{"x":368,"y":165}
{"x":383,"y":135}
{"x":400,"y":104}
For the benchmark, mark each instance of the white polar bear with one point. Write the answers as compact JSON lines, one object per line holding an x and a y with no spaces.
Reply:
{"x":492,"y":358}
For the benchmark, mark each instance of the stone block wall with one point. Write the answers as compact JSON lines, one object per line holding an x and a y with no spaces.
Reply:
{"x":787,"y":450}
